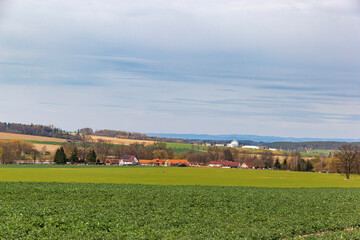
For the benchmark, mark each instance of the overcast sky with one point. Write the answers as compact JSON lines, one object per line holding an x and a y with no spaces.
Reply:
{"x":265,"y":67}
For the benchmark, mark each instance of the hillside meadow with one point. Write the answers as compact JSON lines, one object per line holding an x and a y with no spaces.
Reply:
{"x":174,"y":176}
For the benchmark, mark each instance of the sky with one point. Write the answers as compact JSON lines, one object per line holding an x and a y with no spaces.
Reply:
{"x":264,"y":67}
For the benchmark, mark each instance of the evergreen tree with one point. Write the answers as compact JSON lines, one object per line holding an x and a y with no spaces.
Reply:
{"x":309,"y":167}
{"x":60,"y":157}
{"x":91,"y":157}
{"x":74,"y":158}
{"x":277,"y":164}
{"x":284,"y":166}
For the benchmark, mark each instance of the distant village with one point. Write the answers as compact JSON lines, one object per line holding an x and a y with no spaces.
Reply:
{"x":131,"y":160}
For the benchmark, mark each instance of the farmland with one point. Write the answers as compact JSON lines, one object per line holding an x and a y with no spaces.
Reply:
{"x":31,"y":138}
{"x":121,"y":141}
{"x":119,"y":211}
{"x":173,"y":176}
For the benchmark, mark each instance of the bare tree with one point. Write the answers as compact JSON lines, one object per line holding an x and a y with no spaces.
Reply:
{"x":102,"y":149}
{"x":348,"y":158}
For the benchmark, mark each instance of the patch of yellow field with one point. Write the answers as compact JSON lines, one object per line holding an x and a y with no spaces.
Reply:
{"x":49,"y":148}
{"x":121,"y":141}
{"x":29,"y":137}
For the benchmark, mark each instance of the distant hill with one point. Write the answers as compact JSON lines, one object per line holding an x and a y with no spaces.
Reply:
{"x":36,"y":130}
{"x":254,"y":138}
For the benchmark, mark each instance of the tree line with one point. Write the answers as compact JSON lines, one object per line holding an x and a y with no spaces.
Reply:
{"x":37,"y":130}
{"x":89,"y":151}
{"x":16,"y":150}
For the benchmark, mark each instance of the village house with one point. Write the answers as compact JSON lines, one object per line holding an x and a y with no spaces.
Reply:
{"x":247,"y":165}
{"x":128,"y":160}
{"x":224,"y":164}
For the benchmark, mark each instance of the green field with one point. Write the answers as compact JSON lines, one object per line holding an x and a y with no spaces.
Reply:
{"x":173,"y":176}
{"x":82,"y":202}
{"x":120,"y":211}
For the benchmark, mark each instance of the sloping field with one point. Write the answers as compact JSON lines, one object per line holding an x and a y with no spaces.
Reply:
{"x":174,"y":176}
{"x":49,"y":148}
{"x":121,"y":141}
{"x":29,"y":137}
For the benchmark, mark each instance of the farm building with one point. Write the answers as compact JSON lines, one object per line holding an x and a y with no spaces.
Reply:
{"x":171,"y":162}
{"x":196,"y":164}
{"x":147,"y":162}
{"x":110,"y":161}
{"x":224,"y":164}
{"x":233,"y":144}
{"x":247,"y":165}
{"x":250,"y":147}
{"x":128,"y":160}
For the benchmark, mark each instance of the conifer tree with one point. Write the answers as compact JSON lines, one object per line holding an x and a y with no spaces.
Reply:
{"x":74,"y":158}
{"x":60,"y":157}
{"x":284,"y":165}
{"x":277,"y":164}
{"x":309,"y":167}
{"x":91,"y":157}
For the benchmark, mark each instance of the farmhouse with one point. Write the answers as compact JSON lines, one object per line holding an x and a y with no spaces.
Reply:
{"x":224,"y":164}
{"x":128,"y":160}
{"x":247,"y":165}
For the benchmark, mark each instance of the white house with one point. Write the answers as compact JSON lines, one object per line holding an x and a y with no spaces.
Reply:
{"x":233,"y":144}
{"x":272,"y":149}
{"x":128,"y":160}
{"x":250,"y":147}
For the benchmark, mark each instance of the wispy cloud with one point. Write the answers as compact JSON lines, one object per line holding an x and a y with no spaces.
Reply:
{"x":256,"y":67}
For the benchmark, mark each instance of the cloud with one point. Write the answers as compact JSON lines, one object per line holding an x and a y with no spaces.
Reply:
{"x":278,"y":67}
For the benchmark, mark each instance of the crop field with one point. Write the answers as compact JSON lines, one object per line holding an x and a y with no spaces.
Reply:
{"x":173,"y":176}
{"x":7,"y":136}
{"x":112,"y":202}
{"x":122,"y":211}
{"x":121,"y":141}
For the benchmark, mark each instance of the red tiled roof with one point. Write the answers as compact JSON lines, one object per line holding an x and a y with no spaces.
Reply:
{"x":128,"y":158}
{"x":249,"y":165}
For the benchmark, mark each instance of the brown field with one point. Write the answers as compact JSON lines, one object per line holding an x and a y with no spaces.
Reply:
{"x":50,"y":148}
{"x":122,"y":141}
{"x":29,"y":137}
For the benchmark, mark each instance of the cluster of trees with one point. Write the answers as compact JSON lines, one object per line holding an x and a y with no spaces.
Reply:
{"x":88,"y":151}
{"x":16,"y":150}
{"x":347,"y":159}
{"x":265,"y":159}
{"x":37,"y":130}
